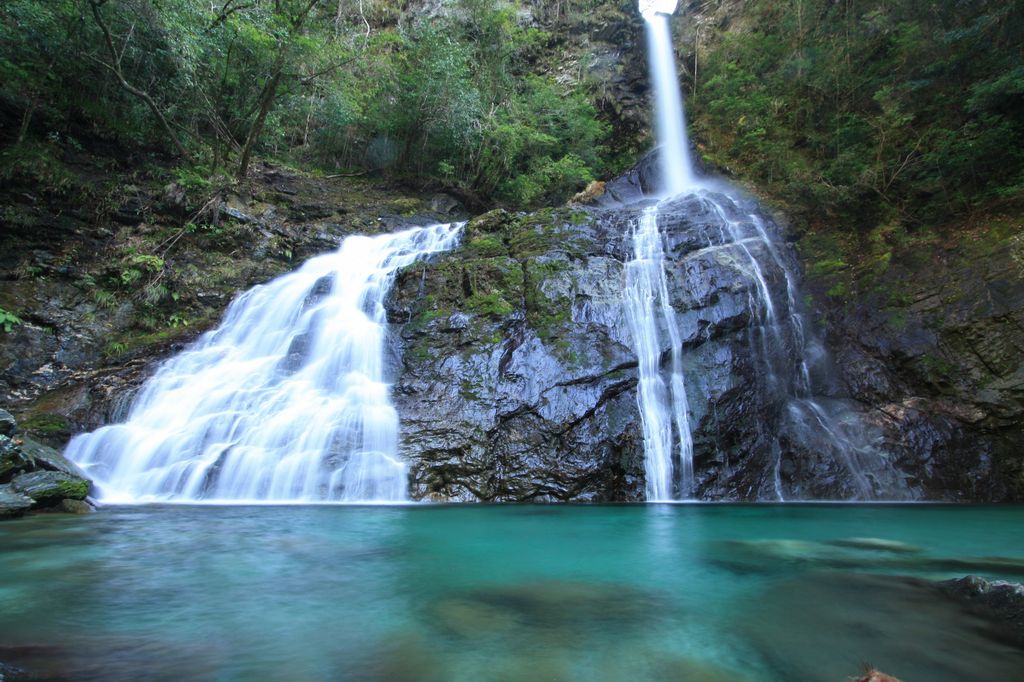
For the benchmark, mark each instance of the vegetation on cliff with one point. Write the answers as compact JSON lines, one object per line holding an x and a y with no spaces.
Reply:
{"x":897,"y":114}
{"x":466,"y":98}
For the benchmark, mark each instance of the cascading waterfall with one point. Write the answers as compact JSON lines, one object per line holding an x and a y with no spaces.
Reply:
{"x":663,"y":406}
{"x":778,"y":337}
{"x":664,"y":413}
{"x":285,"y":401}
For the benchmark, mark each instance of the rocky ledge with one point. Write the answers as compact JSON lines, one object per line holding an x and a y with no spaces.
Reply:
{"x":34,"y":476}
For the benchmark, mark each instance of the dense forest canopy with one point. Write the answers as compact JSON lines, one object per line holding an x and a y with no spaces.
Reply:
{"x":460,"y":97}
{"x":853,"y":112}
{"x":869,"y":112}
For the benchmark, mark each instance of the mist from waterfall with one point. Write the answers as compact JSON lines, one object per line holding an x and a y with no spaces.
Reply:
{"x":287,"y":400}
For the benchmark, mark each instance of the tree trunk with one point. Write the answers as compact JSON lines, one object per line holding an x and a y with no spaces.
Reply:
{"x":270,"y":90}
{"x":266,"y":102}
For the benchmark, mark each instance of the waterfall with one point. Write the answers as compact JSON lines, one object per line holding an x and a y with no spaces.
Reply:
{"x":661,"y":394}
{"x":663,"y":405}
{"x":286,"y":400}
{"x":780,"y":346}
{"x":670,"y":119}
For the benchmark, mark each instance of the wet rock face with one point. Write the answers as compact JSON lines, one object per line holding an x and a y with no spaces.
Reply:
{"x":517,"y":381}
{"x":936,"y":349}
{"x":89,"y":337}
{"x":517,"y":378}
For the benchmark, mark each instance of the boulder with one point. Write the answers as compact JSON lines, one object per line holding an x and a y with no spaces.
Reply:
{"x":46,"y":458}
{"x":998,"y":599}
{"x":69,"y":506}
{"x":7,"y":423}
{"x":12,"y":458}
{"x":50,"y":487}
{"x":12,"y":502}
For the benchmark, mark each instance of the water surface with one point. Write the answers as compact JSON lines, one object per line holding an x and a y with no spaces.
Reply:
{"x":657,"y":592}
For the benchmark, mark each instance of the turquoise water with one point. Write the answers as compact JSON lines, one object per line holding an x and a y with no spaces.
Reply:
{"x":659,"y":592}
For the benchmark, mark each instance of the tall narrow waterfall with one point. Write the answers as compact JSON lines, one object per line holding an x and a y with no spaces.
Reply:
{"x":286,"y":400}
{"x":670,"y":118}
{"x":780,"y":351}
{"x":663,"y":405}
{"x":661,"y":392}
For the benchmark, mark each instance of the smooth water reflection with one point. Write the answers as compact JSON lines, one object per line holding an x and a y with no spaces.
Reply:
{"x":658,"y":592}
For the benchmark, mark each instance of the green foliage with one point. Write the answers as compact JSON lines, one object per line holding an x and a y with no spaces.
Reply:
{"x":195,"y":178}
{"x":48,"y":424}
{"x":115,"y":348}
{"x":490,"y":304}
{"x":870,"y":112}
{"x":37,"y":162}
{"x":456,"y":99}
{"x":8,"y":320}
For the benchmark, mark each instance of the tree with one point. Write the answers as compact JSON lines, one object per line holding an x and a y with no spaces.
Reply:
{"x":114,"y":65}
{"x":269,"y":91}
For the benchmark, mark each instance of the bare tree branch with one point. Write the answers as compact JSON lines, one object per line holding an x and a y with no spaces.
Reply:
{"x":306,"y":80}
{"x":227,"y":10}
{"x":115,"y":68}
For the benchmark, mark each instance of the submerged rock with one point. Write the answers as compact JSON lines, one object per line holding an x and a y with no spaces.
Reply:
{"x":877,"y":544}
{"x":9,"y":673}
{"x":822,"y":625}
{"x":997,"y":599}
{"x":781,"y":555}
{"x":550,"y":605}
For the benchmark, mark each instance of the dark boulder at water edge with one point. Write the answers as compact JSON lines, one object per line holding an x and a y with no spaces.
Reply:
{"x":998,"y":599}
{"x":34,"y":476}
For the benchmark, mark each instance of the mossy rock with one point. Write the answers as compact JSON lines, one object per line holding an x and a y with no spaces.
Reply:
{"x":52,"y":429}
{"x":406,"y":205}
{"x":11,"y":457}
{"x":7,"y":424}
{"x":50,"y":487}
{"x":69,"y":506}
{"x":491,"y":222}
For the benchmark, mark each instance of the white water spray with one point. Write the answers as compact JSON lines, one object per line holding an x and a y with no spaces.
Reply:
{"x":663,"y":405}
{"x":285,"y":401}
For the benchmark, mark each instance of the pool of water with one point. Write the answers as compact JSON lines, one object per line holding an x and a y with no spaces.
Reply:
{"x":658,"y":592}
